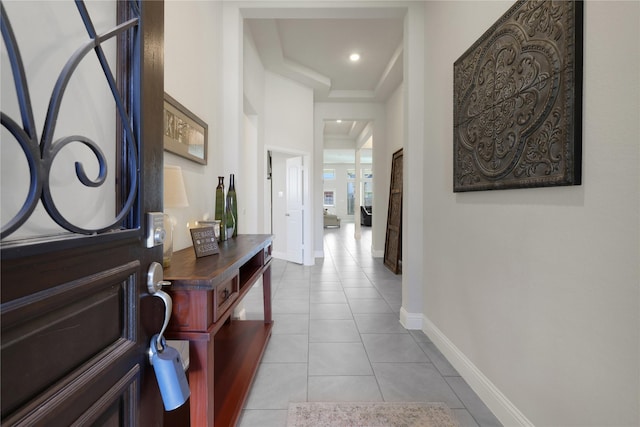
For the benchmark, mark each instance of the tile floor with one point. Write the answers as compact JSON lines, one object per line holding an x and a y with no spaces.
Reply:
{"x":337,"y":337}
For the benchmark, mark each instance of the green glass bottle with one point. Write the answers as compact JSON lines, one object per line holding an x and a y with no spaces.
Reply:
{"x":220,"y":208}
{"x":229,"y":220}
{"x":232,"y":203}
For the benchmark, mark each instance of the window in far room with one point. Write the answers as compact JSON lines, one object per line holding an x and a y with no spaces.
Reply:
{"x":329,"y":174}
{"x":367,"y":193}
{"x":329,"y":198}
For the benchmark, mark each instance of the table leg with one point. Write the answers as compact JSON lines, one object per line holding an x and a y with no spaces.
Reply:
{"x":266,"y":293}
{"x":201,"y":358}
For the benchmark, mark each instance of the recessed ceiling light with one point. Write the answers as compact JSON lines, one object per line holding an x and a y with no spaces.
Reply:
{"x":354,"y":57}
{"x":338,"y":121}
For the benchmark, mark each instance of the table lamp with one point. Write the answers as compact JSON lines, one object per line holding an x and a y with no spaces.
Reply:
{"x":175,"y":196}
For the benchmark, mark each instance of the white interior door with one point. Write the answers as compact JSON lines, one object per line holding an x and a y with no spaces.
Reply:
{"x":295,"y":208}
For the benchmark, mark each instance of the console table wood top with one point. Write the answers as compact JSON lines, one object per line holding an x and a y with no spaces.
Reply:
{"x":187,"y":272}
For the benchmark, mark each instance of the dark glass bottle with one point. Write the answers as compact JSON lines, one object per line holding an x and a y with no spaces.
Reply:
{"x":232,"y":203}
{"x":229,"y":220}
{"x":220,"y":207}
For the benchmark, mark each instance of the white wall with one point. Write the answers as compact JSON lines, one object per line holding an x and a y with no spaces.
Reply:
{"x":413,"y":272}
{"x":250,"y":206}
{"x":193,"y":26}
{"x":288,"y":114}
{"x":258,"y":218}
{"x":395,"y":123}
{"x":394,"y":111}
{"x":533,"y":294}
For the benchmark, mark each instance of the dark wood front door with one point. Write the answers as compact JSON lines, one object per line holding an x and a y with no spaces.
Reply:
{"x":76,"y":317}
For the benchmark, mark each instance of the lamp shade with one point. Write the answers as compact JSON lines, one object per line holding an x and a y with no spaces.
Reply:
{"x":175,"y":194}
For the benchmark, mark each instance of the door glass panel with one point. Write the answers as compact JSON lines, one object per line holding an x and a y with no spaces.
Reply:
{"x":351,"y":198}
{"x":367,"y":193}
{"x":74,"y":151}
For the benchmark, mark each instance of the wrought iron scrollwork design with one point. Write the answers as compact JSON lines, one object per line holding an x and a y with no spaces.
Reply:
{"x":40,"y":154}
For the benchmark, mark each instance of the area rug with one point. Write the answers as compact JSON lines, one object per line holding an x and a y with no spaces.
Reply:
{"x":370,"y":414}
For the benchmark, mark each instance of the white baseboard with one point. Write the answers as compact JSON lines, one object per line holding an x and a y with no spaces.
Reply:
{"x":411,"y":321}
{"x":318,"y":254}
{"x":240,"y":314}
{"x":506,"y":412}
{"x":283,"y":256}
{"x":378,"y":253}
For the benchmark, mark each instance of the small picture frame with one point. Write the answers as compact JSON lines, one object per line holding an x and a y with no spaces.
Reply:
{"x":204,"y":241}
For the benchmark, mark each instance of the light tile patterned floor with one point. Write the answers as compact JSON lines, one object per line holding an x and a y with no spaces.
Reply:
{"x":337,"y":337}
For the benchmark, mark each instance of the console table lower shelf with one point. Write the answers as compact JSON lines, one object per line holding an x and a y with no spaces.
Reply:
{"x":238,"y":348}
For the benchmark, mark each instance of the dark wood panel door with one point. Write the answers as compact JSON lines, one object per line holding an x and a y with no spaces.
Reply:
{"x":76,"y":318}
{"x":393,"y":239}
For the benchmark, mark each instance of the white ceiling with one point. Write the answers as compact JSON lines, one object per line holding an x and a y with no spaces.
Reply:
{"x":315,"y":52}
{"x":346,"y":128}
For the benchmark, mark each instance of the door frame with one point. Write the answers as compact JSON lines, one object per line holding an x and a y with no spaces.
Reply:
{"x":307,"y":218}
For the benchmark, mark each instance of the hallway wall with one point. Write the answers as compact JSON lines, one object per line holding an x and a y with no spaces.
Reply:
{"x":198,"y":89}
{"x":533,"y":294}
{"x":253,"y":83}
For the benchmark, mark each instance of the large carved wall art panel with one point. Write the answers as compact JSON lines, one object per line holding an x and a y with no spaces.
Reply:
{"x":518,"y":100}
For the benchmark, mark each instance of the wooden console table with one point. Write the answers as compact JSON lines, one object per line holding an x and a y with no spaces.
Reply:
{"x":224,"y":353}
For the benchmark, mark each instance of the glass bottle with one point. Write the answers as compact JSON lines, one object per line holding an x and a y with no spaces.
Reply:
{"x":232,"y":201}
{"x":229,"y":220}
{"x":220,"y":208}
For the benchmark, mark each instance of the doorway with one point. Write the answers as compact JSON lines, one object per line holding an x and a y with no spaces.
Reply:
{"x":289,"y":198}
{"x":405,"y":128}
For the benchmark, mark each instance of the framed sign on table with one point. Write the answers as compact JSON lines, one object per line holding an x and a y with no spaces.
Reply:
{"x":205,"y":241}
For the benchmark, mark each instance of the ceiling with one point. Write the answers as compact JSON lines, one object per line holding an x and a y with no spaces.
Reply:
{"x":315,"y":52}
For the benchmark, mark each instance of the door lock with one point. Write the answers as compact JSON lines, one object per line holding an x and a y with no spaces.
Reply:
{"x":156,"y":233}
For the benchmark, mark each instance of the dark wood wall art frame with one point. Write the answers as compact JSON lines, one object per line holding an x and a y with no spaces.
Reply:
{"x":185,"y":134}
{"x":518,"y":100}
{"x":393,"y":238}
